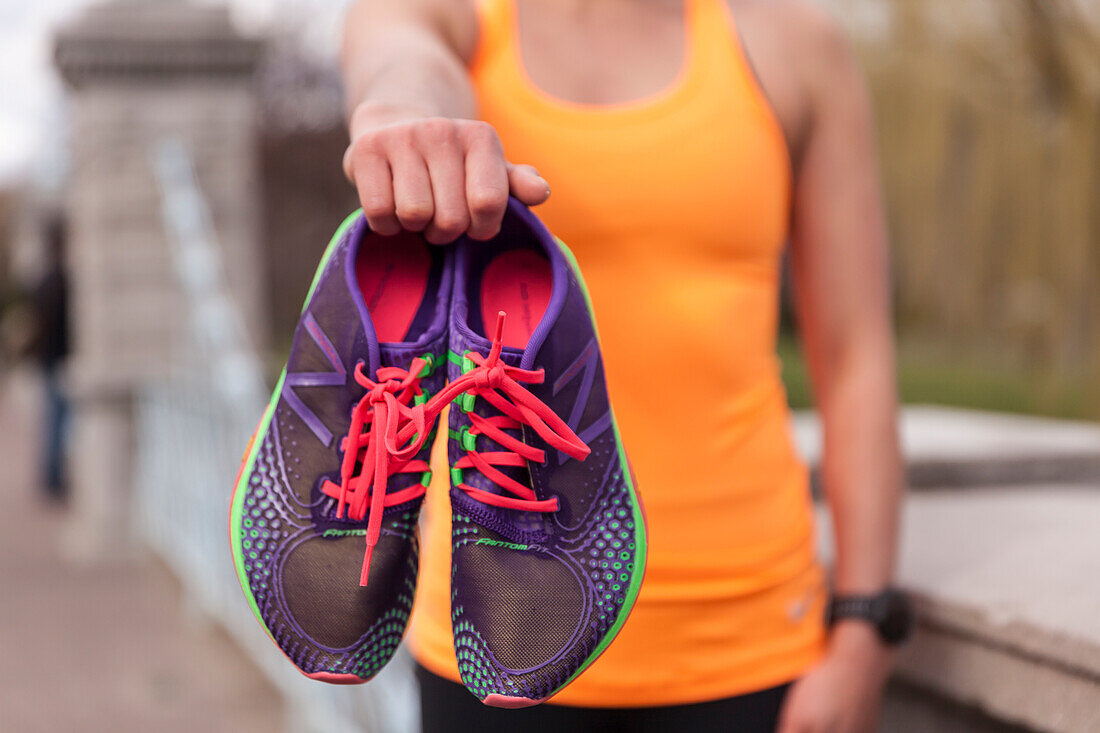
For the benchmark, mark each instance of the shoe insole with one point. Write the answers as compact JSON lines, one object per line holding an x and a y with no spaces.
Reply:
{"x":393,"y":277}
{"x":517,"y":282}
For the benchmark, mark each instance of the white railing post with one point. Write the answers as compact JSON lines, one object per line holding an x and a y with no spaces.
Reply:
{"x":192,"y":428}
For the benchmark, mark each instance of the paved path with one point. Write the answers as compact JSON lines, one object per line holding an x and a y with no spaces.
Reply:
{"x":1003,"y":579}
{"x":103,"y":648}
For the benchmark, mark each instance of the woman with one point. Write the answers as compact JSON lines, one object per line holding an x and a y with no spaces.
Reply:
{"x":687,"y":142}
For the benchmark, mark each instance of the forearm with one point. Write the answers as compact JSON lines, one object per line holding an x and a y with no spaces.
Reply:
{"x":861,"y":469}
{"x":839,"y":263}
{"x":844,"y":310}
{"x":841,"y":272}
{"x":418,"y":158}
{"x":398,"y":67}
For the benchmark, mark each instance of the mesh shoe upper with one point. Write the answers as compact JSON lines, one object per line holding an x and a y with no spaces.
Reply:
{"x":300,"y":563}
{"x":536,"y":595}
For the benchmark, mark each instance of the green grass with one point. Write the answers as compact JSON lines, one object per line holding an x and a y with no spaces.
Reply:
{"x":928,"y":376}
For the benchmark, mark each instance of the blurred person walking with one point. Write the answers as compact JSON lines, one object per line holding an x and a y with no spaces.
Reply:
{"x":688,"y":141}
{"x":50,"y":301}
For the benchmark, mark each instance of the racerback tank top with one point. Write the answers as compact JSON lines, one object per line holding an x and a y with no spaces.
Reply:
{"x":676,"y":207}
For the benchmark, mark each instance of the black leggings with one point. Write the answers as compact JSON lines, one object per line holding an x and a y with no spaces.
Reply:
{"x":446,"y":707}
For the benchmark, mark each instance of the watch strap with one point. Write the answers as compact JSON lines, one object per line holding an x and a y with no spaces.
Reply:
{"x":853,"y":607}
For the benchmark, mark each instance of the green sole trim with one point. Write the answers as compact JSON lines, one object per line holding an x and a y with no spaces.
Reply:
{"x":639,"y":517}
{"x":340,"y":230}
{"x":235,"y":528}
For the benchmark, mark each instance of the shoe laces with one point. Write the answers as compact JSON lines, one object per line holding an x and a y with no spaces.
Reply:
{"x":385,"y":433}
{"x":502,"y":386}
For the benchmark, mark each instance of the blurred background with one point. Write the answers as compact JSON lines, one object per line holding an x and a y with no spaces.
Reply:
{"x":169,"y":175}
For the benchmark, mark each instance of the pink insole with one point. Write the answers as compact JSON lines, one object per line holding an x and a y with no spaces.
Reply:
{"x":519,"y":283}
{"x":393,"y":275}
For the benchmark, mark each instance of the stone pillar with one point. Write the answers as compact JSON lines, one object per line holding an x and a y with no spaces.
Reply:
{"x":139,"y":72}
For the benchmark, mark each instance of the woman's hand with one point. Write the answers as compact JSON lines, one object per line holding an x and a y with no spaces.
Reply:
{"x":442,"y":176}
{"x":843,"y":693}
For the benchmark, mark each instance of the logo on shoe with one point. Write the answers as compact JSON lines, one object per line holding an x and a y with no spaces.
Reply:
{"x":501,"y":543}
{"x":344,"y":533}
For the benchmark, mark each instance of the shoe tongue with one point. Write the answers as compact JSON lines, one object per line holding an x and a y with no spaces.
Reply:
{"x":469,"y":341}
{"x":482,"y":407}
{"x":398,"y":355}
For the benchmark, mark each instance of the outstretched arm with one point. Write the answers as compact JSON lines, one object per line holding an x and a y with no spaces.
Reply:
{"x":418,"y":158}
{"x":840,"y":268}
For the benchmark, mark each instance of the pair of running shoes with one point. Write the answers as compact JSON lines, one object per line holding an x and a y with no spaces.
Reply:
{"x":547,"y":531}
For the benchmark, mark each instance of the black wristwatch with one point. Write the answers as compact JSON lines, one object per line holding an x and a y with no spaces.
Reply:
{"x":890,"y":612}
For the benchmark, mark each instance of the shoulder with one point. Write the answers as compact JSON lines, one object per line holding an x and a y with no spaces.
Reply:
{"x":796,"y":21}
{"x":801,"y":55}
{"x":455,"y":21}
{"x":813,"y":39}
{"x":458,"y":21}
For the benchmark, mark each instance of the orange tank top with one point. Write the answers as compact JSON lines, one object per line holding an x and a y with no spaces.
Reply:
{"x":676,"y":207}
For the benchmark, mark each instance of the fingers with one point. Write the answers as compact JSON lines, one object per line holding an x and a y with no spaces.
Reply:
{"x":375,"y":185}
{"x":794,"y":726}
{"x":800,"y":724}
{"x":438,"y":176}
{"x":486,"y":184}
{"x":445,"y":160}
{"x":527,"y":185}
{"x":412,"y":189}
{"x":792,"y":715}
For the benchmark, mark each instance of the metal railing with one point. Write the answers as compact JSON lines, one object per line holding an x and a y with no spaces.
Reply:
{"x":191,"y":429}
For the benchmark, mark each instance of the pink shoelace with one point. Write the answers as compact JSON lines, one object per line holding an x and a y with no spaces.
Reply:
{"x":501,"y":385}
{"x":381,"y":422}
{"x":386,"y":432}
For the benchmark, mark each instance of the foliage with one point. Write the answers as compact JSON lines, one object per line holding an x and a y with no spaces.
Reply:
{"x":989,"y":119}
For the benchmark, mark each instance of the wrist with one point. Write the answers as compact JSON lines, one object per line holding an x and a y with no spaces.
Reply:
{"x":858,"y":643}
{"x":855,"y":635}
{"x":372,"y":114}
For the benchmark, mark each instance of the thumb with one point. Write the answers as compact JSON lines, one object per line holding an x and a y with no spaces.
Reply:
{"x":791,"y":717}
{"x":525,"y":183}
{"x":788,"y":725}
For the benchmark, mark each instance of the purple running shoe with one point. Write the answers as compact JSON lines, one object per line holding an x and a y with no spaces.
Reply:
{"x":548,"y":534}
{"x":341,"y":457}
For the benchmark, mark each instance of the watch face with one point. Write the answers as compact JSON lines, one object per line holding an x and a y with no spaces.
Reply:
{"x":897,"y":618}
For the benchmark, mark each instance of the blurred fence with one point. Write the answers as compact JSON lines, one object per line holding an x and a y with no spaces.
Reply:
{"x":989,"y":119}
{"x":191,"y":429}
